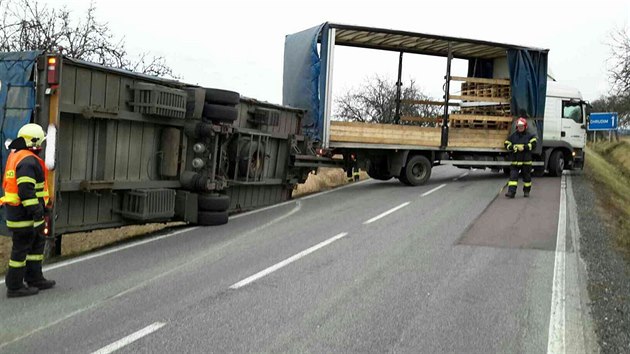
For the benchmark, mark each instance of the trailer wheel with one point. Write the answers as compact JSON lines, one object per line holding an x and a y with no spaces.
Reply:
{"x":218,"y":113}
{"x":417,"y":171}
{"x":556,"y":163}
{"x":213,"y":202}
{"x":255,"y":161}
{"x":212,"y":218}
{"x":223,"y":97}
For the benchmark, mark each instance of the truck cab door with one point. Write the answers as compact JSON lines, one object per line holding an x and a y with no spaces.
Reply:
{"x":573,"y":123}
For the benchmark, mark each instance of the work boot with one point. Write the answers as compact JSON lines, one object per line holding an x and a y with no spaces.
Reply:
{"x":42,"y":284}
{"x":23,"y":291}
{"x":35,"y":278}
{"x":510,"y":194}
{"x":15,"y":283}
{"x":526,"y":194}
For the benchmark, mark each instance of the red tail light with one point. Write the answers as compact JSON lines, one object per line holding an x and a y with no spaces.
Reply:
{"x":52,"y":66}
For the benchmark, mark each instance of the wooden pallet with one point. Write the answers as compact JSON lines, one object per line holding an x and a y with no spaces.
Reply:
{"x":472,"y":121}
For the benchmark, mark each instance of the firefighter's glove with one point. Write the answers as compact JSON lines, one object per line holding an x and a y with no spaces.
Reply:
{"x":41,"y":229}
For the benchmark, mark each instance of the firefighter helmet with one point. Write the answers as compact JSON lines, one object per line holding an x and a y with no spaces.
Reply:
{"x":33,"y":135}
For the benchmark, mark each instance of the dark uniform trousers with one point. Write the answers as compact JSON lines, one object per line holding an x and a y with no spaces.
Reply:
{"x":27,"y":255}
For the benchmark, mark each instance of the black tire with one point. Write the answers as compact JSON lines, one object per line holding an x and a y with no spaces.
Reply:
{"x":256,"y":161}
{"x":218,"y":113}
{"x":378,"y":175}
{"x":223,"y":97}
{"x":213,"y":202}
{"x":403,"y":179}
{"x":212,"y":218}
{"x":417,"y":171}
{"x":556,"y":163}
{"x":538,"y":172}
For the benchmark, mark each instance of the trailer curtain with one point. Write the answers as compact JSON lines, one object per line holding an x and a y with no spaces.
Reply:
{"x":528,"y":76}
{"x":301,"y":78}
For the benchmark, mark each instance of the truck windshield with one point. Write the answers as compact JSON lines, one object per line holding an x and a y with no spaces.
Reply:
{"x":572,"y":110}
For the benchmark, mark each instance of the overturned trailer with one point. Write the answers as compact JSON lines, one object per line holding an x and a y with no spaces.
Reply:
{"x":127,"y":148}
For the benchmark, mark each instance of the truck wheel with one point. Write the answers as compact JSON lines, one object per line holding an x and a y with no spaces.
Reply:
{"x":224,"y":97}
{"x":212,"y":218}
{"x":213,"y":202}
{"x":538,"y":172}
{"x":379,"y":175}
{"x":417,"y":171}
{"x":556,"y":163}
{"x":403,"y":179}
{"x":215,"y":112}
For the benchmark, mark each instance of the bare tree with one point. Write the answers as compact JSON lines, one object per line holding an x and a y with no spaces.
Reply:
{"x":28,"y":25}
{"x":620,"y":61}
{"x":375,"y":102}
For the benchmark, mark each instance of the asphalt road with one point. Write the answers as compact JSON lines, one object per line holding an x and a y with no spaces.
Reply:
{"x":373,"y":267}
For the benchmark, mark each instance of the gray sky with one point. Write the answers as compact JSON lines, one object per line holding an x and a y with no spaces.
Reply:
{"x":238,"y":44}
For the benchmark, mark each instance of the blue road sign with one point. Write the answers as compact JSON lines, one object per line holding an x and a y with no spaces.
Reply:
{"x":603,"y":121}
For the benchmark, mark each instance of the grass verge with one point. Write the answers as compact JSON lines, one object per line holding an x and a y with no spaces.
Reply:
{"x":608,"y":166}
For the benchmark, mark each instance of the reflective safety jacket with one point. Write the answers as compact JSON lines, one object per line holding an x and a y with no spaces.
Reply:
{"x":525,"y":140}
{"x":25,"y":187}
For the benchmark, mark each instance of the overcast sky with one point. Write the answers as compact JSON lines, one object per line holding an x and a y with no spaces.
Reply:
{"x":238,"y":44}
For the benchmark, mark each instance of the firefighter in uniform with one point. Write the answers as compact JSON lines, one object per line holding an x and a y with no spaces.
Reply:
{"x":26,"y":198}
{"x":353,"y":171}
{"x":520,"y":144}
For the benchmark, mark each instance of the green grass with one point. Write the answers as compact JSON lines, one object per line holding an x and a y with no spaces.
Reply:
{"x":608,"y":164}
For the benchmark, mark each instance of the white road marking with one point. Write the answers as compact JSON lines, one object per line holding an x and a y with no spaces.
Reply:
{"x":462,"y":176}
{"x":310,"y":196}
{"x":134,"y":244}
{"x":287,"y":261}
{"x":112,"y":250}
{"x":432,"y":190}
{"x":130,"y":338}
{"x":386,"y":213}
{"x":556,"y":340}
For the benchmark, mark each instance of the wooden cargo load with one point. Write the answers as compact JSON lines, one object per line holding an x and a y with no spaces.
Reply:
{"x":481,"y":120}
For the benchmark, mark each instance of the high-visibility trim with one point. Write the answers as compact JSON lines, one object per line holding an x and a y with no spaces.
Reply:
{"x":512,"y":183}
{"x":42,"y":194}
{"x":529,"y":146}
{"x":17,"y":264}
{"x":527,"y":184}
{"x":356,"y":174}
{"x":37,"y":223}
{"x":26,"y":179}
{"x":40,"y":185}
{"x":19,"y":224}
{"x":34,"y":257}
{"x":532,"y":140}
{"x":11,"y":198}
{"x":30,"y":202}
{"x":527,"y":163}
{"x":517,"y":163}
